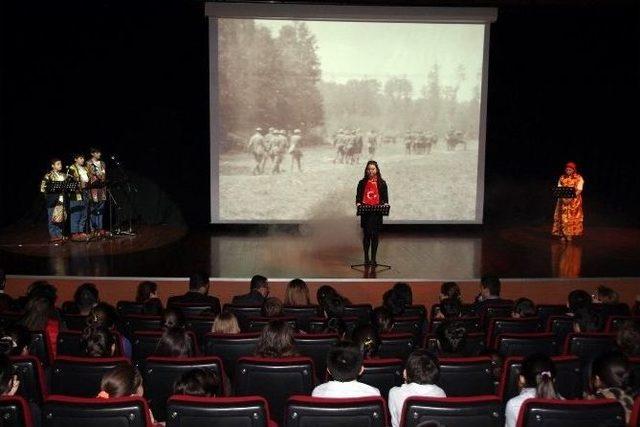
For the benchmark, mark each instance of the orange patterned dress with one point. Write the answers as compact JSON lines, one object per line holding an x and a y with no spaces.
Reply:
{"x":568,"y":217}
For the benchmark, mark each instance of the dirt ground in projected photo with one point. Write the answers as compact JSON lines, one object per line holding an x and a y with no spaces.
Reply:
{"x":440,"y":186}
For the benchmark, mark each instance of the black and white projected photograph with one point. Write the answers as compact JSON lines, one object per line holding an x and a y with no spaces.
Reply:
{"x":302,"y":105}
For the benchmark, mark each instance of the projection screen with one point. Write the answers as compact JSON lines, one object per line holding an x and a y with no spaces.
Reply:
{"x":302,"y":96}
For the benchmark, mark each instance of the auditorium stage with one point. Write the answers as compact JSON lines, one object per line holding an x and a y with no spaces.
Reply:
{"x":325,"y":251}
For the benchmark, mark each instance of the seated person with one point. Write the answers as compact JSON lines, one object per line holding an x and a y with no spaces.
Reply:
{"x":98,"y":342}
{"x":173,"y":318}
{"x":536,"y":380}
{"x":272,"y":307}
{"x":198,"y":294}
{"x":368,"y":341}
{"x":297,"y":293}
{"x":14,"y":340}
{"x":449,"y":308}
{"x":325,"y":291}
{"x":226,"y":323}
{"x":452,"y":339}
{"x":383,"y":320}
{"x":523,"y":308}
{"x":611,"y":378}
{"x":605,"y":295}
{"x":337,"y":326}
{"x":332,"y":307}
{"x":420,"y":374}
{"x":9,"y":382}
{"x":197,"y":382}
{"x":175,"y":342}
{"x":398,"y":298}
{"x":147,"y":295}
{"x":258,"y":291}
{"x":344,"y":365}
{"x":489,"y":295}
{"x":276,"y":341}
{"x":84,"y":299}
{"x":628,"y":339}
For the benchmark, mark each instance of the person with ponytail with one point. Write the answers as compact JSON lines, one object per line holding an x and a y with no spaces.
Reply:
{"x":612,"y":378}
{"x":536,"y":380}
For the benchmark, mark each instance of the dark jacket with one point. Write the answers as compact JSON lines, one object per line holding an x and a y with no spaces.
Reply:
{"x":194,"y":297}
{"x":153,"y":307}
{"x":382,"y":189}
{"x":252,"y":298}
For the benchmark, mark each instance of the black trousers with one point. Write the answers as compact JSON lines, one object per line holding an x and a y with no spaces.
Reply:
{"x":371,"y":224}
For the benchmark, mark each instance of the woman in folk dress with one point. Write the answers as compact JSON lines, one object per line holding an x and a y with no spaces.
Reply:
{"x":568,"y":217}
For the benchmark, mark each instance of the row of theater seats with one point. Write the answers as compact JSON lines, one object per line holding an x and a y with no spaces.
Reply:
{"x":303,"y":411}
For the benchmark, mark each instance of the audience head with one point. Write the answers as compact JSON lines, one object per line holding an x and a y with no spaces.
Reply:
{"x":173,"y":318}
{"x":490,"y":286}
{"x":403,"y":293}
{"x":42,"y":289}
{"x":175,"y":342}
{"x":421,"y":368}
{"x":611,"y":370}
{"x":587,"y":321}
{"x":523,"y":307}
{"x":99,"y":342}
{"x":199,"y":282}
{"x":86,"y":297}
{"x":122,"y":381}
{"x":9,"y":382}
{"x":39,"y":310}
{"x":578,"y":300}
{"x":367,"y":339}
{"x":337,"y":326}
{"x":450,"y":308}
{"x":102,"y":315}
{"x":197,"y":382}
{"x":344,"y":361}
{"x":539,"y":372}
{"x":605,"y":295}
{"x":324,"y":292}
{"x":14,"y":340}
{"x":333,"y":306}
{"x":272,"y":307}
{"x":297,"y":293}
{"x":146,"y":291}
{"x":383,"y":319}
{"x":226,"y":323}
{"x":276,"y":340}
{"x":450,"y":290}
{"x":452,"y":338}
{"x":260,"y":284}
{"x":628,"y":339}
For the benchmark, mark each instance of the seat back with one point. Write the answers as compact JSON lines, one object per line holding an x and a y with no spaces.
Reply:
{"x":361,"y":311}
{"x":560,"y":326}
{"x":474,"y":346}
{"x":545,"y":311}
{"x":526,"y":344}
{"x":70,"y":344}
{"x":160,"y":373}
{"x":318,"y":325}
{"x":32,"y":378}
{"x":607,"y":310}
{"x":79,"y":376}
{"x":196,"y":310}
{"x":316,"y":346}
{"x":230,"y":348}
{"x":471,"y":323}
{"x":568,"y":377}
{"x":277,"y":379}
{"x":243,"y":313}
{"x":74,"y":322}
{"x":571,"y":413}
{"x":467,"y":376}
{"x":382,"y":374}
{"x":614,"y":323}
{"x":302,"y":314}
{"x":256,"y":324}
{"x":14,"y":412}
{"x":588,"y":346}
{"x":144,"y":344}
{"x":139,"y":322}
{"x":40,"y":347}
{"x":200,"y":325}
{"x":190,"y":411}
{"x":509,"y":325}
{"x":128,"y":308}
{"x":498,"y":310}
{"x":407,"y":325}
{"x":302,"y":411}
{"x":477,"y":411}
{"x":66,"y":411}
{"x":416,"y":310}
{"x":396,"y":346}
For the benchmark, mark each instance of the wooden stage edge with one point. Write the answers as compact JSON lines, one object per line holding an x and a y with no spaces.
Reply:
{"x":541,"y":291}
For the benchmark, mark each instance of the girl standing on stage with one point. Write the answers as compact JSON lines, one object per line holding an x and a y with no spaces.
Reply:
{"x":54,"y":202}
{"x":372,"y":190}
{"x":97,"y":178}
{"x":568,"y":217}
{"x":79,"y":200}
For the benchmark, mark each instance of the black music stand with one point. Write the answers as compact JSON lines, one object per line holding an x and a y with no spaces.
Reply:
{"x":370,"y":268}
{"x":564,"y":192}
{"x":57,"y":187}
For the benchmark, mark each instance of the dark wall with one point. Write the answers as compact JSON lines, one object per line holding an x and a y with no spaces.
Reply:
{"x":132,"y":78}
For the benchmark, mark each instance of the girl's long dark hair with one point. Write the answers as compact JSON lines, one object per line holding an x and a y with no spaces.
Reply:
{"x":372,"y":162}
{"x":539,"y":372}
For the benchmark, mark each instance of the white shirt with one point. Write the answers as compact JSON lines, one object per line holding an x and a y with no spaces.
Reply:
{"x":347,"y":389}
{"x":397,"y":396}
{"x":513,"y":406}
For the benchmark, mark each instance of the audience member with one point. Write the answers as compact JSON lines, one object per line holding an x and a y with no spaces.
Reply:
{"x":173,"y":318}
{"x":403,"y":293}
{"x":523,"y":308}
{"x":197,"y":382}
{"x":258,"y":291}
{"x":99,"y":342}
{"x":42,"y":316}
{"x":612,"y":378}
{"x":344,"y":365}
{"x":420,"y":374}
{"x":605,"y":295}
{"x":14,"y":340}
{"x":297,"y":293}
{"x":578,"y":300}
{"x":9,"y":382}
{"x":272,"y":307}
{"x":536,"y":380}
{"x":102,"y":315}
{"x":122,"y":381}
{"x":449,"y":308}
{"x":147,"y":295}
{"x":628,"y":339}
{"x":226,"y":323}
{"x":325,"y":292}
{"x":175,"y":342}
{"x":332,"y":307}
{"x":336,"y":325}
{"x":383,"y":320}
{"x":450,"y":290}
{"x":452,"y":339}
{"x":368,"y":341}
{"x":276,"y":341}
{"x":198,"y":293}
{"x":85,"y":298}
{"x":489,"y":295}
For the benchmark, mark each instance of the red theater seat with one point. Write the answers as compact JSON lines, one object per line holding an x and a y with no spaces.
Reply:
{"x":316,"y":346}
{"x":65,"y":411}
{"x":128,"y":308}
{"x":257,"y":324}
{"x":229,"y":348}
{"x":40,"y":347}
{"x":526,"y":344}
{"x":70,"y":344}
{"x":32,"y":378}
{"x":477,"y":411}
{"x":396,"y":346}
{"x":79,"y":376}
{"x":14,"y":412}
{"x":189,"y":411}
{"x":467,"y":376}
{"x":571,"y":413}
{"x":382,"y":374}
{"x":509,"y":325}
{"x":634,"y":421}
{"x":361,"y":311}
{"x":589,"y":345}
{"x":302,"y":314}
{"x":304,"y":411}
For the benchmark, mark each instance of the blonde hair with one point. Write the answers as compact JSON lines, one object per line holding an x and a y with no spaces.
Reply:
{"x":226,"y":323}
{"x":297,"y":293}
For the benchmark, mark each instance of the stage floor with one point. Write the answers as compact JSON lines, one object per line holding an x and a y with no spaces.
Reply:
{"x":326,"y":251}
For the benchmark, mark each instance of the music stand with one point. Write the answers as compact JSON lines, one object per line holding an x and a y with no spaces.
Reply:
{"x":57,"y":187}
{"x":564,"y":192}
{"x":363,"y":209}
